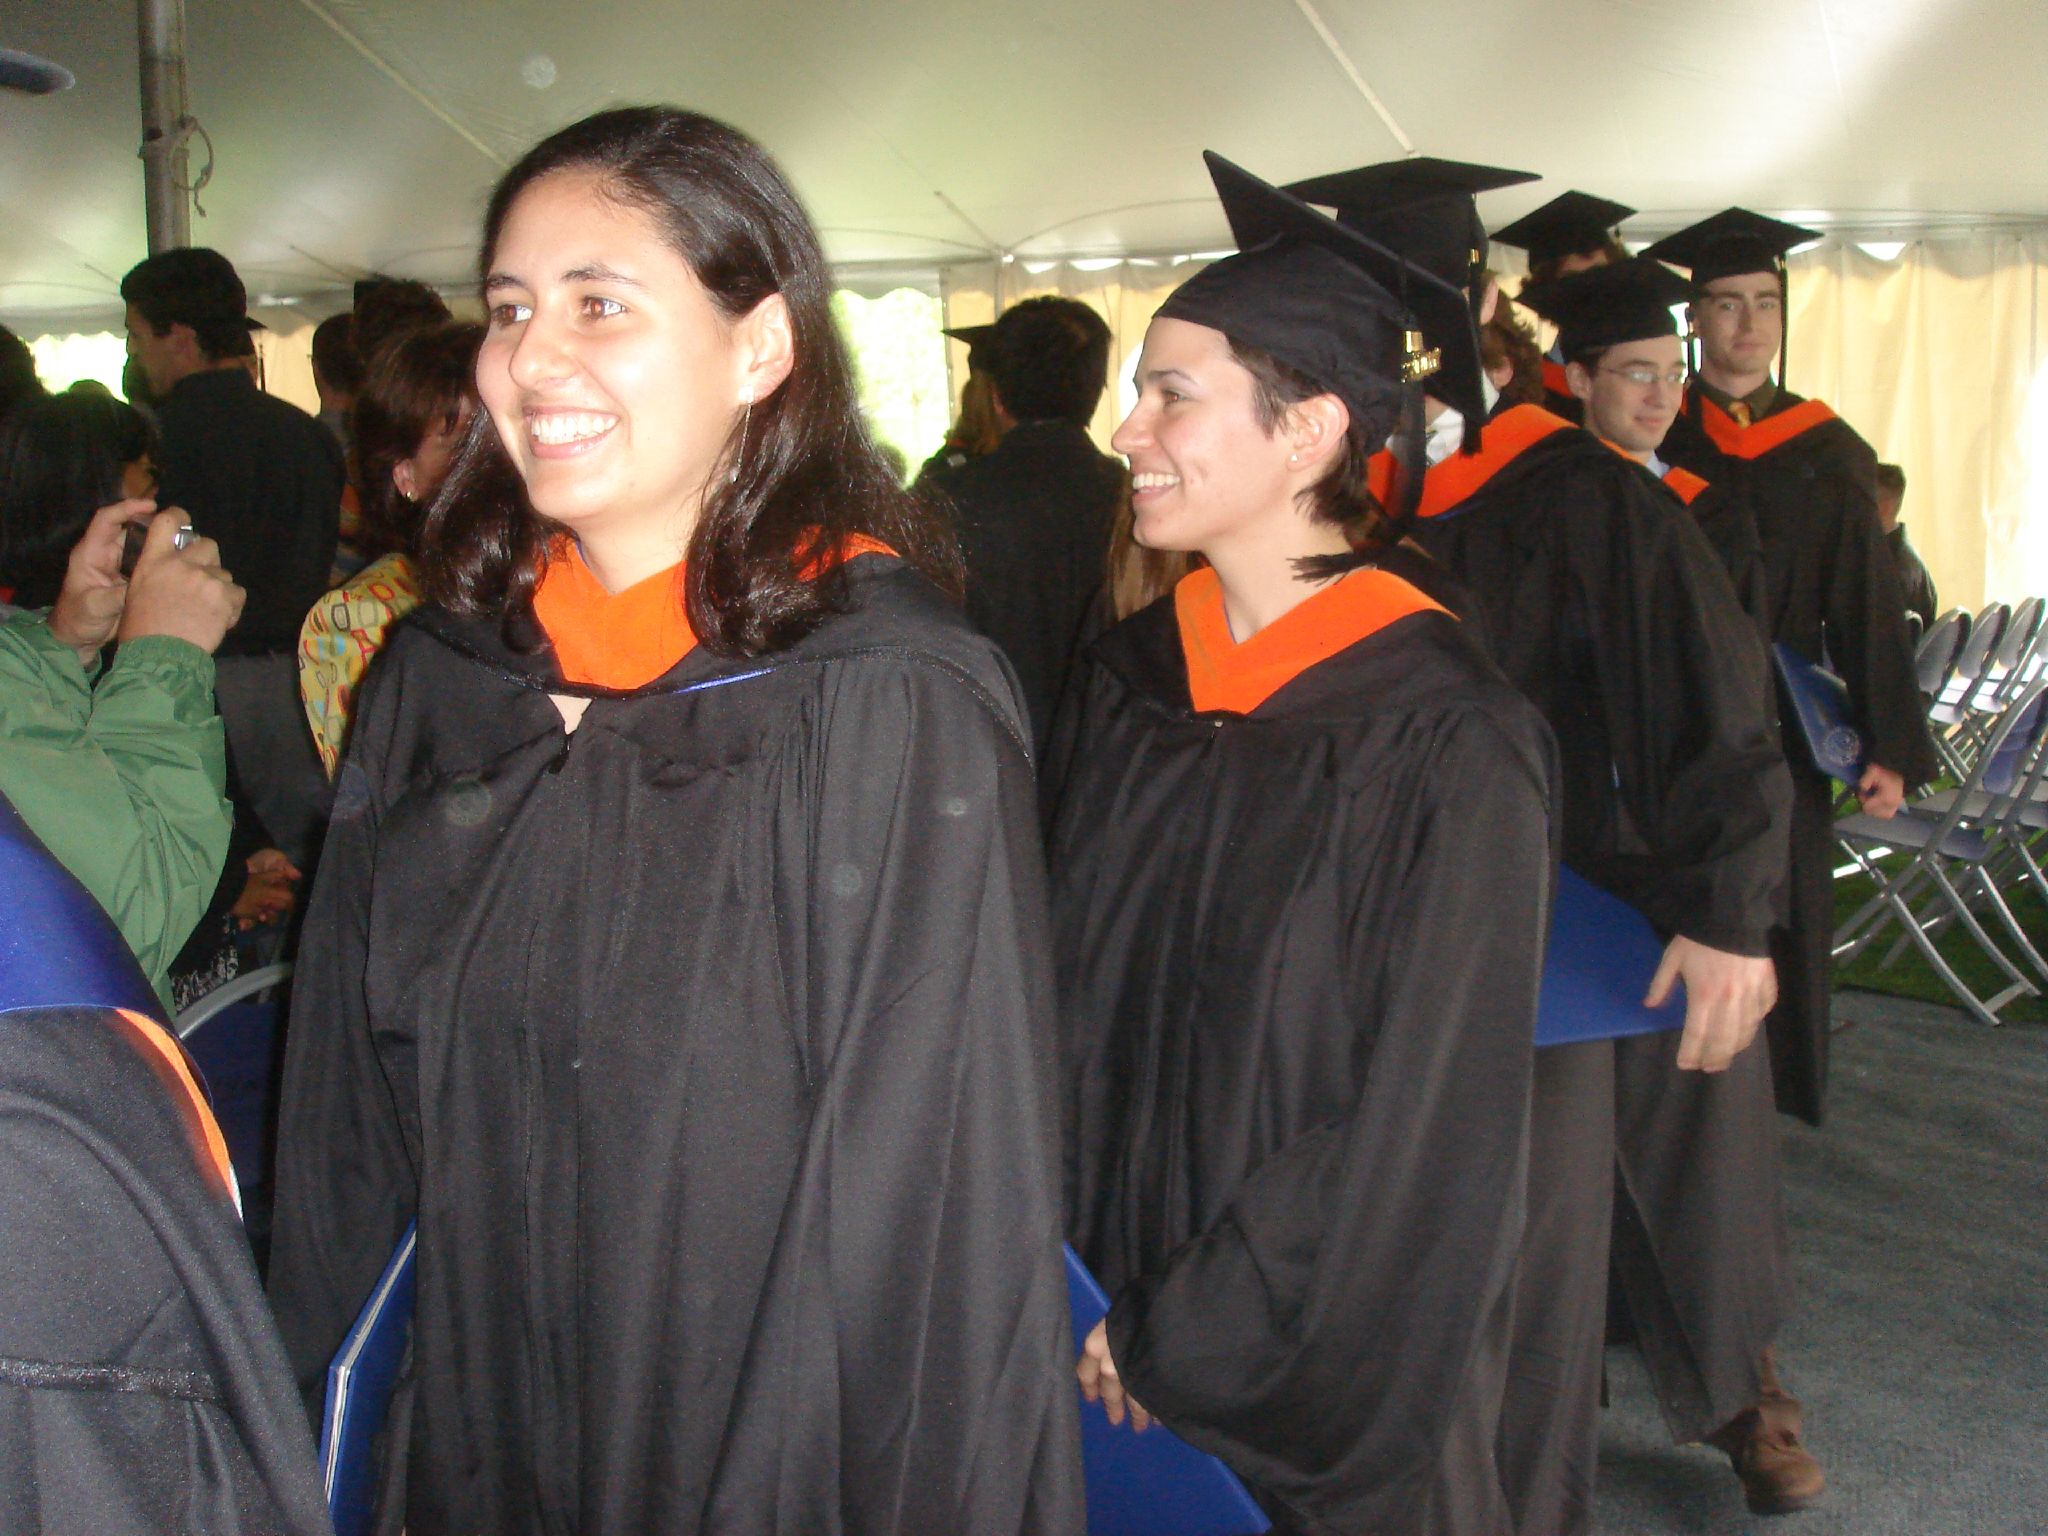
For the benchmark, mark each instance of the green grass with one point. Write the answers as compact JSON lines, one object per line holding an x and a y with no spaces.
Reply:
{"x":1911,"y":976}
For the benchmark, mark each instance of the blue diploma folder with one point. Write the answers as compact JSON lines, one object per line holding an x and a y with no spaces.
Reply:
{"x":1155,"y":1483}
{"x":1602,"y":956}
{"x":359,"y":1385}
{"x":1820,"y":704}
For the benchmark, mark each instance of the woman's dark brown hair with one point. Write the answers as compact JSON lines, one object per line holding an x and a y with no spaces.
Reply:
{"x":414,"y":388}
{"x":808,"y":475}
{"x":1343,"y":496}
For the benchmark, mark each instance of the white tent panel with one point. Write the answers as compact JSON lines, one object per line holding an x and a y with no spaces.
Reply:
{"x":359,"y":134}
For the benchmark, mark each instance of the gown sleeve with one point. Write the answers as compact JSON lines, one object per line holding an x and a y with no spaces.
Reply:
{"x":910,"y":1366}
{"x":1318,"y":1336}
{"x":1684,"y":690}
{"x":346,"y":1156}
{"x":1865,"y":630}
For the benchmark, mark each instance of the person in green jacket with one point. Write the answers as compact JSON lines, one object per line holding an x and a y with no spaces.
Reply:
{"x":121,"y":771}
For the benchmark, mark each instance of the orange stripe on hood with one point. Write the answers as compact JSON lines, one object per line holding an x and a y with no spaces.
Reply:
{"x":1455,"y":480}
{"x":1554,"y":378}
{"x":628,"y":639}
{"x":176,"y":1073}
{"x":1684,"y":484}
{"x":1760,"y":437}
{"x":1224,"y":674}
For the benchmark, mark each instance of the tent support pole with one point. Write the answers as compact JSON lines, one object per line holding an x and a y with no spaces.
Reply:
{"x":166,"y":180}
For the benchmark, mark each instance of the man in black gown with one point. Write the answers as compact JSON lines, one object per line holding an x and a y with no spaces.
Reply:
{"x":1603,"y":602}
{"x":1034,"y":515}
{"x":1831,"y":593}
{"x":1699,"y":1234}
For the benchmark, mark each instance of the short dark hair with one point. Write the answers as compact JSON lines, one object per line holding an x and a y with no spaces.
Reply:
{"x":194,"y":287}
{"x":1049,"y":360}
{"x":418,"y":386}
{"x":1546,"y":270}
{"x":1343,"y":497}
{"x":335,"y":360}
{"x":806,"y":480}
{"x":61,"y":459}
{"x":18,"y":381}
{"x":1891,"y":480}
{"x":389,"y":308}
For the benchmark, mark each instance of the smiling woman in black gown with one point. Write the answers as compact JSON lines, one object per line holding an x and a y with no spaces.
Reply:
{"x":1301,"y":867}
{"x":678,"y":955}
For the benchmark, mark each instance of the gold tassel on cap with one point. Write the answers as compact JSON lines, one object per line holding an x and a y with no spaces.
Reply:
{"x":1420,"y":361}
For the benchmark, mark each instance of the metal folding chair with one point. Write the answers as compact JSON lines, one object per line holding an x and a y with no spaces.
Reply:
{"x":1949,"y":718}
{"x":1949,"y":850}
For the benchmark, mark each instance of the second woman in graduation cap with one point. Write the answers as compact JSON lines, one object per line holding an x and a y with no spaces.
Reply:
{"x":1301,"y":860}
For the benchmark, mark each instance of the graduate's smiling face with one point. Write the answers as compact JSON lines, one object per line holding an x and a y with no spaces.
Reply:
{"x":1632,"y":392}
{"x":1203,"y":469}
{"x":1740,"y":321}
{"x":613,"y":379}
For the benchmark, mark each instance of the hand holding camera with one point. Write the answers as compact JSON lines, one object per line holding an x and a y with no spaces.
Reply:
{"x":180,"y":587}
{"x":173,"y":585}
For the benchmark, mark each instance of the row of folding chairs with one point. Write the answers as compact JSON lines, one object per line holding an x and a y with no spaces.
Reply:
{"x":1956,"y":853}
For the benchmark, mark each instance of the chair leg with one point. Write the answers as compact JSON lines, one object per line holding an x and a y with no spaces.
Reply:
{"x":1963,"y":915}
{"x":2011,"y":924}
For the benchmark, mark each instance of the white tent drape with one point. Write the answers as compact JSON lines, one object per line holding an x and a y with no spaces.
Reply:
{"x":1936,"y":357}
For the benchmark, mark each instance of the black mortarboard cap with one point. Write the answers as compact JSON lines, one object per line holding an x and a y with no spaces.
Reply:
{"x":1573,"y":224}
{"x":977,"y":338}
{"x":1421,"y":209}
{"x":1606,"y":306}
{"x":1731,"y":243}
{"x":1334,"y":306}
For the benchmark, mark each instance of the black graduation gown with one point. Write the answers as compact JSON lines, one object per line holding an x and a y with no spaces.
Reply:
{"x":1700,"y":1248}
{"x":1298,"y":955}
{"x":1034,"y":517}
{"x":1730,"y":528}
{"x":1604,"y":604}
{"x":143,"y":1388}
{"x":713,"y":1046}
{"x":1831,"y":594}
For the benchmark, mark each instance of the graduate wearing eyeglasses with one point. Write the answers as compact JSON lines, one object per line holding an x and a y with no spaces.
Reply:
{"x":1701,"y":1253}
{"x":1604,"y":604}
{"x":1624,"y":371}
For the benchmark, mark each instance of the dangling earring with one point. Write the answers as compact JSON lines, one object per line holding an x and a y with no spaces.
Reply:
{"x":746,"y":416}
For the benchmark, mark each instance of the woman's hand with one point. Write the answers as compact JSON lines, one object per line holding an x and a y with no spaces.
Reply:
{"x":89,"y":608}
{"x":1100,"y":1383}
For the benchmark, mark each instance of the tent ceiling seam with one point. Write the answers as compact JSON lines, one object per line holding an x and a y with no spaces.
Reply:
{"x":390,"y":72}
{"x":1372,"y":99}
{"x":1827,"y":34}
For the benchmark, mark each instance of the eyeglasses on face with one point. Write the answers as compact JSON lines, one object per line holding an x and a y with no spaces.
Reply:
{"x":1642,"y":375}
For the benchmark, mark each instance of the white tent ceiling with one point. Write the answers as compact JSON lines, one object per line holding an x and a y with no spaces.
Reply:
{"x":353,"y":135}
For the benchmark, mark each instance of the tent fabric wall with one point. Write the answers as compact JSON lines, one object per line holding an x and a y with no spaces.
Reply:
{"x":1934,"y":357}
